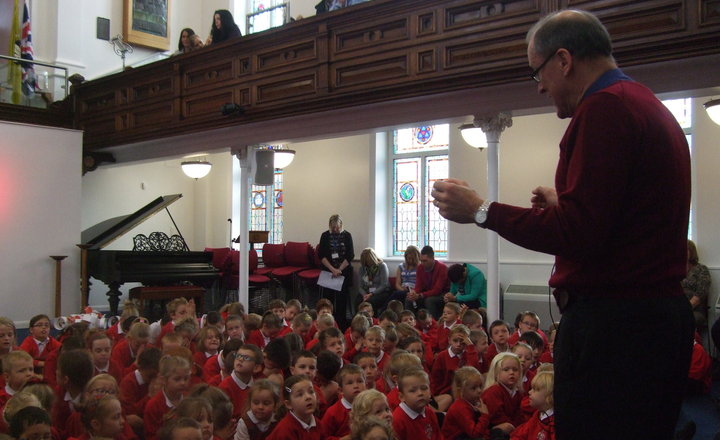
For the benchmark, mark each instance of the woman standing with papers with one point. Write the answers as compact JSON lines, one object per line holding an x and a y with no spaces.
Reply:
{"x":336,"y":254}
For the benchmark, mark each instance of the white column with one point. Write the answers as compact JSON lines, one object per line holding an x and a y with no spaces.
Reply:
{"x":493,"y":127}
{"x":245,"y":184}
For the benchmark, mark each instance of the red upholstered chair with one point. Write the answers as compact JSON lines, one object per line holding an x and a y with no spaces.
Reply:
{"x":254,"y":279}
{"x":221,"y":262}
{"x":297,"y":258}
{"x":309,"y":277}
{"x":273,"y":257}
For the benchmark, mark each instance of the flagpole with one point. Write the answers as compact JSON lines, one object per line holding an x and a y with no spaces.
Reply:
{"x":14,"y":68}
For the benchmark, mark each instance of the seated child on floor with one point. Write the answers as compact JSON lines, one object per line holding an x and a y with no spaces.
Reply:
{"x":183,"y":428}
{"x":39,"y":344}
{"x":135,"y":387}
{"x":198,"y":409}
{"x":258,"y":420}
{"x":468,"y":416}
{"x":174,"y":373}
{"x":373,"y":342}
{"x":499,"y":333}
{"x":542,"y":422}
{"x":31,"y":423}
{"x":75,"y":369}
{"x":447,"y":361}
{"x":248,"y":363}
{"x":209,"y":343}
{"x":450,"y":317}
{"x":298,"y":396}
{"x":369,"y":403}
{"x":503,"y":392}
{"x":479,"y":339}
{"x":399,"y":361}
{"x":102,"y":418}
{"x":17,"y":367}
{"x":336,"y":421}
{"x":269,"y":329}
{"x":412,"y":419}
{"x":222,"y":408}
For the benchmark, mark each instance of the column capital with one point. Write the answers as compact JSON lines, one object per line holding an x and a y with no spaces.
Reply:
{"x":496,"y":123}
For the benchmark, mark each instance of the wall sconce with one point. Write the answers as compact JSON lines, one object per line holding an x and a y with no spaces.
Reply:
{"x":474,"y":136}
{"x":196,"y":169}
{"x":712,"y":108}
{"x":282,"y":158}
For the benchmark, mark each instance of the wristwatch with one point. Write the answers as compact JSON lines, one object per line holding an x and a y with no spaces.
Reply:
{"x":482,"y":212}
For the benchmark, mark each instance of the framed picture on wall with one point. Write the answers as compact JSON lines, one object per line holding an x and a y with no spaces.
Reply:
{"x":147,"y":23}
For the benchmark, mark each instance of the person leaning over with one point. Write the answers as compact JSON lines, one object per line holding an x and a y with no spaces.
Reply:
{"x":617,"y":224}
{"x":467,"y":286}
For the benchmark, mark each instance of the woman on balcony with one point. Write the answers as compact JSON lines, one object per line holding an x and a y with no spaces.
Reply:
{"x":223,"y":27}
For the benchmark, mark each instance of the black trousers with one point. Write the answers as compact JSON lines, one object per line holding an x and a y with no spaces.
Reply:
{"x":621,"y":367}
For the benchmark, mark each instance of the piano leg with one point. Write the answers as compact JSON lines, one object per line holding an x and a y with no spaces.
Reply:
{"x":114,"y":297}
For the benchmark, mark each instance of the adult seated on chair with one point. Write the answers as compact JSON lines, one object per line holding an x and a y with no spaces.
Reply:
{"x":406,"y":274}
{"x":430,"y":283}
{"x":467,"y":286}
{"x":697,"y":287}
{"x":374,"y":283}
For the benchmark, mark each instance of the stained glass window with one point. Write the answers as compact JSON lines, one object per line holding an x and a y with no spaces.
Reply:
{"x":419,"y":159}
{"x":266,"y":14}
{"x":267,"y":214}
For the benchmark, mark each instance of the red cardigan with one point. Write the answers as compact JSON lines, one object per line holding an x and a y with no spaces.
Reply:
{"x":502,"y":407}
{"x":444,"y":368}
{"x":30,"y":346}
{"x":535,"y":428}
{"x":420,"y":428}
{"x":462,"y":420}
{"x":336,"y":421}
{"x":290,"y":428}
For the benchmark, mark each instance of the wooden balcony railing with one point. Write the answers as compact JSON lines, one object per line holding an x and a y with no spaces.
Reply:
{"x":378,"y":51}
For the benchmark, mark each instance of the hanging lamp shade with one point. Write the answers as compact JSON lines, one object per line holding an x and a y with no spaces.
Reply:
{"x":474,"y":136}
{"x":712,"y":108}
{"x":196,"y":169}
{"x":283,"y":158}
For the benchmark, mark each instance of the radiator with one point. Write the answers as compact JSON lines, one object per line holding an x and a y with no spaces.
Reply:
{"x":534,"y":297}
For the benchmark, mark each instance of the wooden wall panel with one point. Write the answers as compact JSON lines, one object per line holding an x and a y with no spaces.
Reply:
{"x":378,"y":51}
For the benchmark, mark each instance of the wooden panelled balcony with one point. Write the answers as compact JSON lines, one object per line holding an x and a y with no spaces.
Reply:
{"x":379,"y":51}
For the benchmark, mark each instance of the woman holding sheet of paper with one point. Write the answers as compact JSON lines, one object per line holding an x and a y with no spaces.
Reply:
{"x":336,"y":254}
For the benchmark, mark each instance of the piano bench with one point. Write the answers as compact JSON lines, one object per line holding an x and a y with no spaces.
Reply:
{"x":167,"y":293}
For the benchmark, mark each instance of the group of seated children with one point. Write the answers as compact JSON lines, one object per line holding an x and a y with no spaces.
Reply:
{"x":289,"y":374}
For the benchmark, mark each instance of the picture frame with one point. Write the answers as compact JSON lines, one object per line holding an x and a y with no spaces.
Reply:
{"x":147,"y":23}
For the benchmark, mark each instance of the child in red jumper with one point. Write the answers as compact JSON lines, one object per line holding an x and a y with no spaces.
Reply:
{"x":125,"y":352}
{"x":332,"y":339}
{"x":198,"y":409}
{"x":300,"y":402}
{"x":75,"y":369}
{"x":17,"y":367}
{"x":213,"y":369}
{"x":248,"y":362}
{"x":373,"y":342}
{"x":499,"y":335}
{"x":369,"y":403}
{"x":175,"y":374}
{"x":269,"y":329}
{"x":503,"y":392}
{"x":336,"y":421}
{"x":305,"y":362}
{"x":135,"y":387}
{"x":278,"y":307}
{"x":427,"y":326}
{"x":524,"y":353}
{"x":301,"y":324}
{"x":39,"y":344}
{"x":542,"y":423}
{"x":449,"y":360}
{"x":412,"y":419}
{"x":100,"y":346}
{"x":480,"y":340}
{"x":259,"y":419}
{"x":354,"y":336}
{"x":177,"y":309}
{"x":398,"y":362}
{"x":366,"y":361}
{"x":209,"y":344}
{"x":468,"y":415}
{"x":450,"y":317}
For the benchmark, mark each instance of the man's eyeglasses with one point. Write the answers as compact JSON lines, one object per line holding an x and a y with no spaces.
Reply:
{"x":535,"y":75}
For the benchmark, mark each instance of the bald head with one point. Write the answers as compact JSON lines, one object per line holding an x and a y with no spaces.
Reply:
{"x":580,"y":32}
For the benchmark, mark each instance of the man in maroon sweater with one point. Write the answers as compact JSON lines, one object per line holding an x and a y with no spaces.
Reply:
{"x":616,"y":222}
{"x":431,"y":283}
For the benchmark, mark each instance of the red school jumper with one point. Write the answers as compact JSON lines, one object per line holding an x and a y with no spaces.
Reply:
{"x":443,"y":369}
{"x":30,"y":346}
{"x":237,"y":391}
{"x":540,"y":426}
{"x":409,"y":425}
{"x":155,"y":411}
{"x":464,"y":421}
{"x":336,"y":421}
{"x":290,"y":428}
{"x":503,"y":406}
{"x":133,"y":394}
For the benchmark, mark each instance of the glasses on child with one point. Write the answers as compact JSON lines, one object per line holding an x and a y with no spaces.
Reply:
{"x":530,"y":324}
{"x":244,"y":357}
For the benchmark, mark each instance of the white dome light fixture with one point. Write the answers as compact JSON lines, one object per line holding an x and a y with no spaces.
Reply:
{"x":712,"y":108}
{"x":474,"y":136}
{"x":282,"y":157}
{"x":196,"y":169}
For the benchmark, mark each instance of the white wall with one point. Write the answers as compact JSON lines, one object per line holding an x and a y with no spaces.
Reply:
{"x":40,"y":207}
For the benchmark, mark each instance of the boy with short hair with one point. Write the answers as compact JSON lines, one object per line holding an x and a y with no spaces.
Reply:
{"x":499,"y":333}
{"x":479,"y":339}
{"x":39,"y":344}
{"x":472,"y":320}
{"x":100,"y":346}
{"x":411,"y":419}
{"x":407,"y":317}
{"x":398,"y":362}
{"x":301,"y":324}
{"x":336,"y":421}
{"x":427,"y":326}
{"x":323,"y":322}
{"x":234,"y":327}
{"x":294,"y":307}
{"x":305,"y":362}
{"x":367,"y":308}
{"x":269,"y":329}
{"x":373,"y":342}
{"x":278,"y":307}
{"x":177,"y":310}
{"x":450,"y":317}
{"x":17,"y":367}
{"x":449,"y":360}
{"x":366,"y":362}
{"x":248,"y":362}
{"x":214,"y":365}
{"x":134,"y":387}
{"x":354,"y":336}
{"x":388,"y":317}
{"x":183,"y":428}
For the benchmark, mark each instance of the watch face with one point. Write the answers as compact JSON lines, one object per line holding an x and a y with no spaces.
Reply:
{"x":481,"y":216}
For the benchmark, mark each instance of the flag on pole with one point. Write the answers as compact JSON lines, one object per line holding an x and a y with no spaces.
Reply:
{"x":29,"y":80}
{"x":14,"y":77}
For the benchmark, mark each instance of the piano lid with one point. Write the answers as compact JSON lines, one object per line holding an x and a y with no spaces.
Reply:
{"x":105,"y":232}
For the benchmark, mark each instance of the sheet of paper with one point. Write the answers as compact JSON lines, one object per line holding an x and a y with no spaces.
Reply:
{"x":326,"y":280}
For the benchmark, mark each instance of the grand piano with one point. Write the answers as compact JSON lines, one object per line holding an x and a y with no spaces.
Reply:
{"x":150,"y":267}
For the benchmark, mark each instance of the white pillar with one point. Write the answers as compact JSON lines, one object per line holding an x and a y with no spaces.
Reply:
{"x":493,"y":127}
{"x":245,"y":184}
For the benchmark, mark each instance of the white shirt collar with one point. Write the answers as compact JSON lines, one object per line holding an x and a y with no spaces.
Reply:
{"x":512,"y":392}
{"x":304,"y":425}
{"x":167,"y":400}
{"x":545,"y":414}
{"x":379,"y":357}
{"x":139,"y":378}
{"x":452,"y":353}
{"x":41,"y":345}
{"x":220,"y":360}
{"x":72,"y":403}
{"x":105,"y":369}
{"x":346,"y":404}
{"x":120,"y":330}
{"x":448,"y":326}
{"x":411,"y":412}
{"x":9,"y":390}
{"x":266,"y":339}
{"x":239,"y":382}
{"x":209,"y":355}
{"x":262,"y":426}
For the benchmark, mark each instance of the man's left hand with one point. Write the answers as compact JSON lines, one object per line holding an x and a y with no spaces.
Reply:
{"x":455,"y":200}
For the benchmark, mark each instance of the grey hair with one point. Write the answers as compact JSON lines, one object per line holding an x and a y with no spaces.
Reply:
{"x":580,"y":32}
